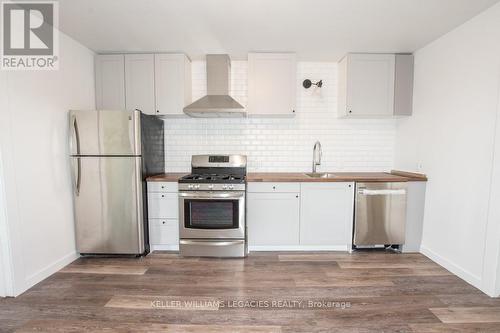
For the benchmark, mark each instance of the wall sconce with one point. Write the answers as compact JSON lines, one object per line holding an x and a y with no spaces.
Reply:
{"x":307,"y":83}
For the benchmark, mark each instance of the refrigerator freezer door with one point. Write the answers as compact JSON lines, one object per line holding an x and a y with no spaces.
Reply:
{"x":108,"y":205}
{"x":108,"y":133}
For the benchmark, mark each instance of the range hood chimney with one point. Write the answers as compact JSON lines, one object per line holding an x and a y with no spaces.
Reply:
{"x":217,"y":102}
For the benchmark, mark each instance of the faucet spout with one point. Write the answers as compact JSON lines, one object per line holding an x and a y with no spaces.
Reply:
{"x":317,"y":153}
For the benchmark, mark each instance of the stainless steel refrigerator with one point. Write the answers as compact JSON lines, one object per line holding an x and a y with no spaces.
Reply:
{"x":112,"y":153}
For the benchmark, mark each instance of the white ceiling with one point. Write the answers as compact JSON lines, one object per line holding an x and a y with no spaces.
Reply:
{"x":315,"y":29}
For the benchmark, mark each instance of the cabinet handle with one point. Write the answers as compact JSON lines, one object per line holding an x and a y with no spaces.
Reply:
{"x":350,"y":111}
{"x":157,"y":111}
{"x":274,"y":187}
{"x":296,"y":196}
{"x":163,"y":196}
{"x":293,"y":111}
{"x":163,"y":222}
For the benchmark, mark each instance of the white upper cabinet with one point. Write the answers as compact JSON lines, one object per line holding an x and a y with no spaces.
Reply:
{"x":375,"y":85}
{"x":271,"y":84}
{"x":139,"y":82}
{"x":153,"y":83}
{"x":172,"y":83}
{"x":110,"y":82}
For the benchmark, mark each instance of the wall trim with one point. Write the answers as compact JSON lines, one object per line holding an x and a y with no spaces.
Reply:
{"x":257,"y":248}
{"x":452,"y":267}
{"x":47,"y":271}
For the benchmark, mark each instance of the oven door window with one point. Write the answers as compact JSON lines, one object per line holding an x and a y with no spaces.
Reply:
{"x":211,"y":214}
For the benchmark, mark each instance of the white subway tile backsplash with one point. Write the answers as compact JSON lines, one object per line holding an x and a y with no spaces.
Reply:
{"x":283,"y":144}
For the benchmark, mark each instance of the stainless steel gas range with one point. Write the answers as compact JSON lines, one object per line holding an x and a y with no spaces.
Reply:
{"x":212,"y":207}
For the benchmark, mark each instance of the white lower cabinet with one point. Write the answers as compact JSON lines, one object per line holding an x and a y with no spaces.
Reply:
{"x":273,"y":219}
{"x":300,"y":216}
{"x":326,"y":214}
{"x":163,"y":215}
{"x":164,"y":231}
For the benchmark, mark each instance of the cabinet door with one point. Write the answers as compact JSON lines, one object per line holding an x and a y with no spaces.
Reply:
{"x":370,"y":84}
{"x":110,"y":82}
{"x":326,"y":213}
{"x":403,"y":85}
{"x":172,"y":83}
{"x":271,"y":84}
{"x":273,"y":219}
{"x":139,"y":82}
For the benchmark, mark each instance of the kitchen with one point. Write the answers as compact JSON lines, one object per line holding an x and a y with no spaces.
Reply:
{"x":307,"y":153}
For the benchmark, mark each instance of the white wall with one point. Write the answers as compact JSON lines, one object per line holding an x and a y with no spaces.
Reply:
{"x":284,"y":144}
{"x":5,"y":268}
{"x":5,"y":257}
{"x":33,"y":132}
{"x":450,"y":137}
{"x":491,"y":269}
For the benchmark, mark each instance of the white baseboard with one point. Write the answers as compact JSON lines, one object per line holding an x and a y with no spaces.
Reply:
{"x":48,"y":271}
{"x":164,"y":248}
{"x":455,"y":269}
{"x":268,"y":248}
{"x":257,"y":248}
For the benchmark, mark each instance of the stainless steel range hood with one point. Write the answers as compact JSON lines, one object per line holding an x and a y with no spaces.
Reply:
{"x":217,"y":103}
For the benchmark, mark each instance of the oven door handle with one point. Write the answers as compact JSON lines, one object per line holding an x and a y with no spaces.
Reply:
{"x":212,"y":195}
{"x":211,"y":242}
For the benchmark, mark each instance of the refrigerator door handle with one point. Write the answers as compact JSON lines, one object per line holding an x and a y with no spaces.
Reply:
{"x":78,"y":174}
{"x":74,"y":123}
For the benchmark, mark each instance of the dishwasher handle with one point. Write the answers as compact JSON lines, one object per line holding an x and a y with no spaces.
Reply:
{"x":364,"y":191}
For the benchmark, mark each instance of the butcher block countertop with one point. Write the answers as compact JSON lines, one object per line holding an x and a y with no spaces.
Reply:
{"x":393,"y":176}
{"x":338,"y":177}
{"x":167,"y":177}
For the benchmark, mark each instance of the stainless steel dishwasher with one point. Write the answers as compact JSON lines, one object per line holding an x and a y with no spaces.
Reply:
{"x":380,"y":214}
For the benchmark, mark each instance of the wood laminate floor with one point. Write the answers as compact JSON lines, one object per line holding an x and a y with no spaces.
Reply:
{"x":266,"y":292}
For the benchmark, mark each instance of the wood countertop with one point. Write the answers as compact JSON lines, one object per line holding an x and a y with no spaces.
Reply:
{"x":338,"y":177}
{"x":393,"y":176}
{"x":167,"y":177}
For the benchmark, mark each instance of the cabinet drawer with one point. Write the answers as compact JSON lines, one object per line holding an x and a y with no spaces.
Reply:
{"x":274,"y":187}
{"x":162,"y":187}
{"x":164,"y":231}
{"x":163,"y":205}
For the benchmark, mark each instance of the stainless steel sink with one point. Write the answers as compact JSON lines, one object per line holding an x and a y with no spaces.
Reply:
{"x":321,"y":175}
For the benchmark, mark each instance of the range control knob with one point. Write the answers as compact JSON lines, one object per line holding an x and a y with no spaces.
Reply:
{"x":197,"y":186}
{"x":224,"y":187}
{"x":231,"y":187}
{"x":210,"y":187}
{"x":190,"y":186}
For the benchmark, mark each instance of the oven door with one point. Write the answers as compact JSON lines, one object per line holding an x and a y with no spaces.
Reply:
{"x":212,"y":214}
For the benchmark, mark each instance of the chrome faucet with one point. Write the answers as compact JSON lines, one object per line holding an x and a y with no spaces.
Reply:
{"x":316,"y":155}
